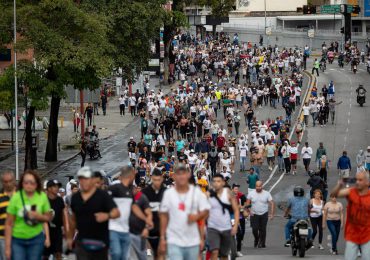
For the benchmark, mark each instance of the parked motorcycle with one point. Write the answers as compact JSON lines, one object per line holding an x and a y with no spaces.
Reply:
{"x":299,"y":238}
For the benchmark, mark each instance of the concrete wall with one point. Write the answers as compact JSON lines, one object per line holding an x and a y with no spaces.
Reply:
{"x":271,"y":5}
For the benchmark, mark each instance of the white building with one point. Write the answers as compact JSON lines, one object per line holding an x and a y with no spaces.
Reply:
{"x":271,"y":5}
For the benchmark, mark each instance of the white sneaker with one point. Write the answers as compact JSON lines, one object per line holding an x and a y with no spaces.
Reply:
{"x":312,"y":246}
{"x":149,"y":252}
{"x":239,"y":254}
{"x":321,"y":247}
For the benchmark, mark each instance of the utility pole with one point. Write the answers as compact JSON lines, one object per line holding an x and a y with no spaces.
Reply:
{"x":16,"y":91}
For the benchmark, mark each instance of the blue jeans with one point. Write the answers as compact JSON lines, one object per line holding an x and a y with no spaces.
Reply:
{"x":119,"y":245}
{"x":182,"y":253}
{"x":243,"y":162}
{"x":281,"y":163}
{"x":289,"y":225}
{"x":28,"y":249}
{"x":334,"y":228}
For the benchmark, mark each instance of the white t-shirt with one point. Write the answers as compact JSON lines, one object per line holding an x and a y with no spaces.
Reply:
{"x":306,"y":110}
{"x":243,"y":149}
{"x":179,"y":206}
{"x":260,"y":201}
{"x":306,"y":152}
{"x":121,"y":100}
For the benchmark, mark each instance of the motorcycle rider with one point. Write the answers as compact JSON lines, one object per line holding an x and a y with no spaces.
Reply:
{"x":361,"y":93}
{"x":298,"y":208}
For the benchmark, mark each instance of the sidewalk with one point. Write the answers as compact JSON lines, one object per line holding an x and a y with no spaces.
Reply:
{"x":107,"y":126}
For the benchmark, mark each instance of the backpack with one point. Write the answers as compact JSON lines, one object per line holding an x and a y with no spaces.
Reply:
{"x":213,"y":194}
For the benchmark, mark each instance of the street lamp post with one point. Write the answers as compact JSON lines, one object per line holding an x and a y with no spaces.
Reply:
{"x":16,"y":91}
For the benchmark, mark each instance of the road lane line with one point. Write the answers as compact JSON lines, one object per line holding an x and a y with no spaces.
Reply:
{"x":310,"y":84}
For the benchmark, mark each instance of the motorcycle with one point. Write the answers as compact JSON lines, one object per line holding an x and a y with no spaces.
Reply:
{"x":323,"y":66}
{"x":93,"y":149}
{"x":299,"y":238}
{"x":354,"y":68}
{"x":361,"y":100}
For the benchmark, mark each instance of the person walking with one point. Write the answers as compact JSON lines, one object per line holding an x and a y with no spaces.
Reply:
{"x":58,"y":223}
{"x":316,"y":66}
{"x":333,"y":218}
{"x":182,"y":207}
{"x":120,"y":239}
{"x":270,"y":151}
{"x":258,"y":202}
{"x":357,"y":227}
{"x":323,"y":166}
{"x":154,"y":193}
{"x":91,"y":208}
{"x":285,"y":151}
{"x":8,"y":183}
{"x":220,"y":232}
{"x":122,"y":102}
{"x":24,"y":237}
{"x":344,"y":167}
{"x":316,"y":212}
{"x":306,"y":154}
{"x":243,"y":152}
{"x":89,"y":113}
{"x":320,"y":151}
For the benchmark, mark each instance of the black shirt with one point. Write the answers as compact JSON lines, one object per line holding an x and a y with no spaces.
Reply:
{"x":155,"y":198}
{"x":57,"y":205}
{"x":131,"y":146}
{"x":84,"y":211}
{"x":137,"y":225}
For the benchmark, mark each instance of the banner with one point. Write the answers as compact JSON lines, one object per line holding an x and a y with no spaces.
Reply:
{"x":366,"y":8}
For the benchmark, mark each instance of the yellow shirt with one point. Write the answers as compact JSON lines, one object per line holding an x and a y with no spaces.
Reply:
{"x":203,"y":184}
{"x":218,"y":95}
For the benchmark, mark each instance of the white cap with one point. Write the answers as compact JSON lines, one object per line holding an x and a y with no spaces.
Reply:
{"x":85,"y":172}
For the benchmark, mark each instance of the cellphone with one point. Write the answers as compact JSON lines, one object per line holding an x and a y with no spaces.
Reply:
{"x":33,"y":208}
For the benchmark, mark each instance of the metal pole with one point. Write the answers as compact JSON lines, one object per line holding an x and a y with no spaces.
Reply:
{"x":16,"y":92}
{"x":265,"y":17}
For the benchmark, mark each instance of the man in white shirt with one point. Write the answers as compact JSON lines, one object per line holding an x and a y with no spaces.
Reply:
{"x":306,"y":153}
{"x":181,"y":208}
{"x":132,"y":103}
{"x":285,"y":150}
{"x":258,"y":202}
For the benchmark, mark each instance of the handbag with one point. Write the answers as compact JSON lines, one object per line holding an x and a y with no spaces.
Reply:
{"x":27,"y":220}
{"x":92,"y":245}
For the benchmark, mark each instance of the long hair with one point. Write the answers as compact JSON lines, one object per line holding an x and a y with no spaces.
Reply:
{"x":35,"y":175}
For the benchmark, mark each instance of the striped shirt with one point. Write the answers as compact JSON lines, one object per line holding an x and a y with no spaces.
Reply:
{"x":4,"y":202}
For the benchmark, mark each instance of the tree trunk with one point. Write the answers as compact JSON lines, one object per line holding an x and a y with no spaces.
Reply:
{"x":51,"y":154}
{"x":214,"y":27}
{"x":28,"y":161}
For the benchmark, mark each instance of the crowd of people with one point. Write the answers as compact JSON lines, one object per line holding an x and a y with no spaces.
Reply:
{"x":178,"y":197}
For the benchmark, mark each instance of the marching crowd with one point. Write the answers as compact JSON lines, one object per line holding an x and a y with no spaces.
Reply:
{"x":176,"y":197}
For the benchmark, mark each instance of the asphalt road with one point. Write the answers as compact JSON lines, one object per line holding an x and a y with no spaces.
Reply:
{"x":351,"y":132}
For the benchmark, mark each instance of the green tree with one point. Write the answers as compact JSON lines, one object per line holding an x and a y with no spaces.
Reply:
{"x":65,"y":40}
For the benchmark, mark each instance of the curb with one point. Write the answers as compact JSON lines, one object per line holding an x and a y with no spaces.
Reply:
{"x":166,"y":91}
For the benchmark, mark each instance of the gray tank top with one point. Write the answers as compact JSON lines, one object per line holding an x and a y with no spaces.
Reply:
{"x":218,"y":219}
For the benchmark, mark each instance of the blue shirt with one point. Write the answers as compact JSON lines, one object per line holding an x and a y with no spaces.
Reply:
{"x":344,"y":163}
{"x":298,"y":207}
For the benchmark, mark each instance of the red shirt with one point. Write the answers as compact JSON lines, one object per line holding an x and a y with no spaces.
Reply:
{"x":357,"y":228}
{"x":220,"y":141}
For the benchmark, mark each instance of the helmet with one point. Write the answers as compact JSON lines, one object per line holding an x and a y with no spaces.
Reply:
{"x":311,"y":173}
{"x":298,"y":191}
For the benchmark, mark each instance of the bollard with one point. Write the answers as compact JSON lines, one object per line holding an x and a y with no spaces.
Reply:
{"x":61,"y":121}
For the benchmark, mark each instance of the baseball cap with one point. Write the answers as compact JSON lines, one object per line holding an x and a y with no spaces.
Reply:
{"x":52,"y":183}
{"x":131,"y":138}
{"x":85,"y":172}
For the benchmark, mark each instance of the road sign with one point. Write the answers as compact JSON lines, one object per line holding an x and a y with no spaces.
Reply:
{"x":330,"y":9}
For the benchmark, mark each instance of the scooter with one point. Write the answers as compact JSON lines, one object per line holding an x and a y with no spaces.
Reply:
{"x":299,"y":238}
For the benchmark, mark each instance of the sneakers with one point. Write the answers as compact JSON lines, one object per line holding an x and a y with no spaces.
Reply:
{"x":239,"y":254}
{"x":287,"y":243}
{"x":321,"y":247}
{"x":149,"y":252}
